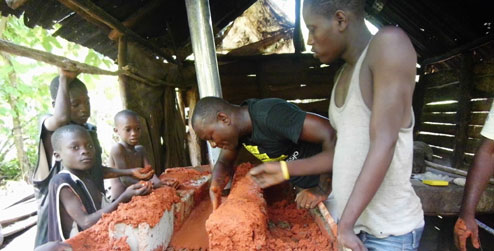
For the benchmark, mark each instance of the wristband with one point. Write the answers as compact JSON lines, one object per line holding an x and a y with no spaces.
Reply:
{"x":284,"y":170}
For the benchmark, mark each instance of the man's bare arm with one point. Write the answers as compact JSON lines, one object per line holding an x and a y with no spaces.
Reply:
{"x":478,"y":177}
{"x":477,"y":180}
{"x":318,"y":130}
{"x":222,"y":173}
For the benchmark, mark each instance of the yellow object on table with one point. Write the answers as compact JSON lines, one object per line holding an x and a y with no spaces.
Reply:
{"x":440,"y":183}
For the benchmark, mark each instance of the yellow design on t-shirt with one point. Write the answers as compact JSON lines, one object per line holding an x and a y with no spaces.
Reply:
{"x":262,"y":156}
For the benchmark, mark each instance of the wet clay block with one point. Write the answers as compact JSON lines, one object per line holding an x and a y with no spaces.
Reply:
{"x":147,"y":209}
{"x":240,"y":223}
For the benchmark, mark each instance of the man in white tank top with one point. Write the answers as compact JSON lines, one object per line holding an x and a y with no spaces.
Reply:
{"x":371,"y":110}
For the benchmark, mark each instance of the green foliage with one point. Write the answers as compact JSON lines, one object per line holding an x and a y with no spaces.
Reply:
{"x":30,"y":87}
{"x":10,"y":170}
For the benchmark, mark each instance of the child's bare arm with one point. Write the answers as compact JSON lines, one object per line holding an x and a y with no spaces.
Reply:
{"x":134,"y":172}
{"x":61,"y":114}
{"x":75,"y":209}
{"x":117,"y":188}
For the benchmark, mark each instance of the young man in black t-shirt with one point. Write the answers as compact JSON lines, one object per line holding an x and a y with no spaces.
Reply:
{"x":274,"y":131}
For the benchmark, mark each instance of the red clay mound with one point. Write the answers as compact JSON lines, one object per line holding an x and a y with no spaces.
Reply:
{"x":294,"y":229}
{"x":183,"y":175}
{"x":240,"y":223}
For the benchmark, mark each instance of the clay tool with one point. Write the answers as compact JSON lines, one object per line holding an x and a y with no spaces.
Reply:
{"x":328,"y":218}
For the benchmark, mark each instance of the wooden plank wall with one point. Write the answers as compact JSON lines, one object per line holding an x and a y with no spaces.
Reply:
{"x":441,"y":120}
{"x":289,"y":76}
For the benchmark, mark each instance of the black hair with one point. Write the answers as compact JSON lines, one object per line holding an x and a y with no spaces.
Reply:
{"x":329,"y":7}
{"x":208,"y":107}
{"x":74,"y":84}
{"x":59,"y":134}
{"x":124,"y":113}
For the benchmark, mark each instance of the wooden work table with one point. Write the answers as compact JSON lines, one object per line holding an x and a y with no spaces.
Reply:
{"x":447,"y":200}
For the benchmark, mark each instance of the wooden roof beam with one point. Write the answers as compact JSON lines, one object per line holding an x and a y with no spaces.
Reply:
{"x":52,"y":59}
{"x":257,"y":47}
{"x":458,"y":50}
{"x":94,"y":13}
{"x":73,"y":65}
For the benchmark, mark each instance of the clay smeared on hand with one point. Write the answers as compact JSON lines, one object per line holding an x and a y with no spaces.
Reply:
{"x":146,"y":173}
{"x":147,"y":184}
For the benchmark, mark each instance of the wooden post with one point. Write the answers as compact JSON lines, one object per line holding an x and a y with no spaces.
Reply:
{"x":464,"y":109}
{"x":180,"y":104}
{"x":298,"y":39}
{"x":122,"y":61}
{"x":418,"y":101}
{"x":261,"y":83}
{"x":174,"y":135}
{"x":192,"y":139}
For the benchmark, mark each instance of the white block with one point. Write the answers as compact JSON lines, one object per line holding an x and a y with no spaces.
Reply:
{"x":146,"y":238}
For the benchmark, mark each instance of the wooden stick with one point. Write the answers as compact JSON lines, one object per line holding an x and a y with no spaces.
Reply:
{"x":485,"y":227}
{"x":450,"y":170}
